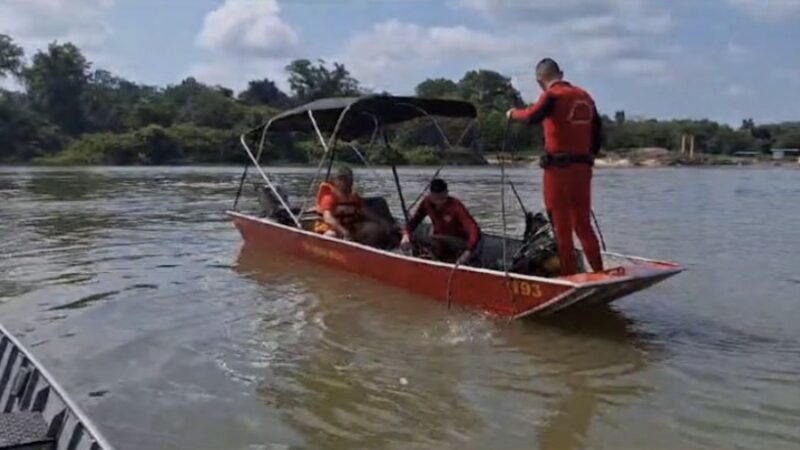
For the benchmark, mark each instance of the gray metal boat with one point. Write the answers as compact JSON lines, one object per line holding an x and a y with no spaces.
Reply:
{"x":35,"y":412}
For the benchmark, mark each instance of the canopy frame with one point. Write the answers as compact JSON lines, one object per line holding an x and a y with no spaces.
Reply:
{"x":467,"y":110}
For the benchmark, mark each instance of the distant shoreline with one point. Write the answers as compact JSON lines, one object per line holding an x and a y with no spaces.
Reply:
{"x":601,"y":164}
{"x":659,"y":158}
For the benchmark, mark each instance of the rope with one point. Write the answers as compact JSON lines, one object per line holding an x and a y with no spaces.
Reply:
{"x":503,"y":193}
{"x":519,"y":199}
{"x":450,"y":285}
{"x":503,"y":207}
{"x":600,"y":232}
{"x":503,"y":210}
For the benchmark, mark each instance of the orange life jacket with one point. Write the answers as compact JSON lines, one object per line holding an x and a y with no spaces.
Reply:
{"x":347,"y":209}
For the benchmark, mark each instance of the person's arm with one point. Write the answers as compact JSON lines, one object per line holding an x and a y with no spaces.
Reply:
{"x":469,"y":224}
{"x":536,"y":112}
{"x":327,"y":204}
{"x":597,"y":132}
{"x":416,"y":219}
{"x":329,"y":218}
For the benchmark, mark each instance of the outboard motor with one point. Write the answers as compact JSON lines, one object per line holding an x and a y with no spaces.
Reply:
{"x":271,"y":206}
{"x":538,"y":254}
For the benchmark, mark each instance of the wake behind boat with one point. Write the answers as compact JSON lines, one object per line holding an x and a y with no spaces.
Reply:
{"x":510,"y":281}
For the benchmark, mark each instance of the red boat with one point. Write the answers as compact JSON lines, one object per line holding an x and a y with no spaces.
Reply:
{"x":507,"y":287}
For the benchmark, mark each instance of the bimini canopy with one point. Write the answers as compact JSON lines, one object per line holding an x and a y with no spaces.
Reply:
{"x":363,"y":114}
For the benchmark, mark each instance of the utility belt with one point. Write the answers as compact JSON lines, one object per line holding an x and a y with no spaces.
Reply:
{"x":564,"y":160}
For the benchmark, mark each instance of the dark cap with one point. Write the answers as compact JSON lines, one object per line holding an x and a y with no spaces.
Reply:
{"x":438,"y":186}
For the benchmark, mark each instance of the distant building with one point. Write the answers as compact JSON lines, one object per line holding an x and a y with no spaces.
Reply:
{"x":747,"y":154}
{"x":779,"y":154}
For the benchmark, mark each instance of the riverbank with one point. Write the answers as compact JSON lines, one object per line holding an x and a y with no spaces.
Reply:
{"x":431,"y":157}
{"x":657,"y":157}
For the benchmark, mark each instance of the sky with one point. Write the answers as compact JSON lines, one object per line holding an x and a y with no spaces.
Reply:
{"x":720,"y":59}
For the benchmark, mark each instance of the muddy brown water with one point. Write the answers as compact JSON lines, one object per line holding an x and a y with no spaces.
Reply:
{"x":132,"y":287}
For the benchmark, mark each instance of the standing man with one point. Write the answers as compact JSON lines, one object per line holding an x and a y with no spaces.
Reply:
{"x":572,"y":130}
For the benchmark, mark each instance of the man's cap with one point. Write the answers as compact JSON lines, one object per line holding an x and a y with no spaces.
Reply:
{"x":438,"y":186}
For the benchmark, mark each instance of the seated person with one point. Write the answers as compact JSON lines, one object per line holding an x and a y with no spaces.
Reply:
{"x":455,"y":235}
{"x":343,"y":215}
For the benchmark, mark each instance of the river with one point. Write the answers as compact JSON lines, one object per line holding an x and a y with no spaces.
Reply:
{"x":131,"y":285}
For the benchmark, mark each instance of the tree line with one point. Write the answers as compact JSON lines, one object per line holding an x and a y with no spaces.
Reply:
{"x":68,"y":112}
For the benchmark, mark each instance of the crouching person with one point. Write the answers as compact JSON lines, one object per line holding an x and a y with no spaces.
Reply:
{"x":456,"y":235}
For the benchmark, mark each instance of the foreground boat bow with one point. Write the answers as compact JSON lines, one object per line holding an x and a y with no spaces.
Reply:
{"x":35,"y":412}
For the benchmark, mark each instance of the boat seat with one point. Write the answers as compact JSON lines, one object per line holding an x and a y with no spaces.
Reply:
{"x":24,"y":431}
{"x":378,"y":206}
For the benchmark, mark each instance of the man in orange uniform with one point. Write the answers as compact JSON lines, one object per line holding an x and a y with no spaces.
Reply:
{"x":342,"y":213}
{"x":572,"y":130}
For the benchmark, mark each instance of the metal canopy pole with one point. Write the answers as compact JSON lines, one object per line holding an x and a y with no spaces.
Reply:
{"x":446,"y":142}
{"x":329,"y":148}
{"x":396,"y":177}
{"x":269,"y":182}
{"x":247,"y":165}
{"x":503,"y":193}
{"x":241,"y":185}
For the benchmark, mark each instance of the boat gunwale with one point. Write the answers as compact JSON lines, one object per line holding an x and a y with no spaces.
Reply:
{"x":674,"y":268}
{"x":70,"y":404}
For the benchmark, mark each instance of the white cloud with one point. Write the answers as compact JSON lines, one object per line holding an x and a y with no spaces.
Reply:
{"x":625,"y":38}
{"x":248,"y":28}
{"x":35,"y":23}
{"x":650,"y":70}
{"x":737,"y":51}
{"x":769,"y":10}
{"x":248,"y":40}
{"x":393,"y":50}
{"x":395,"y":53}
{"x":578,"y":16}
{"x":790,"y":74}
{"x":738,"y":90}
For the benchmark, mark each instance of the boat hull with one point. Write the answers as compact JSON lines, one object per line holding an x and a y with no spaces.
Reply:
{"x":493,"y":292}
{"x":35,"y":412}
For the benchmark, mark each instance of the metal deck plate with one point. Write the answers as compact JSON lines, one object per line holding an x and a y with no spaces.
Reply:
{"x":24,"y":430}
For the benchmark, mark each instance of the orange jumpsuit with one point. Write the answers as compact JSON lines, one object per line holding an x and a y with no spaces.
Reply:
{"x":572,"y":129}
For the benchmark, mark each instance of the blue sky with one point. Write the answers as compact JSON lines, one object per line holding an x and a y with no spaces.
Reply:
{"x":721,"y":59}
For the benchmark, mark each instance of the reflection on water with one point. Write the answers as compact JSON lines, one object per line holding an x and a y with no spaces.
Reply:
{"x":349,"y":387}
{"x":131,"y":286}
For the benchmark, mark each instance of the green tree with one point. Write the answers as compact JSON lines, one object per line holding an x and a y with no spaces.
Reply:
{"x":489,"y":90}
{"x":10,"y":57}
{"x":437,"y":88}
{"x":195,"y":102}
{"x":311,"y":82}
{"x":264,"y":92}
{"x":57,"y":81}
{"x":110,"y":102}
{"x":24,"y":134}
{"x":790,"y":140}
